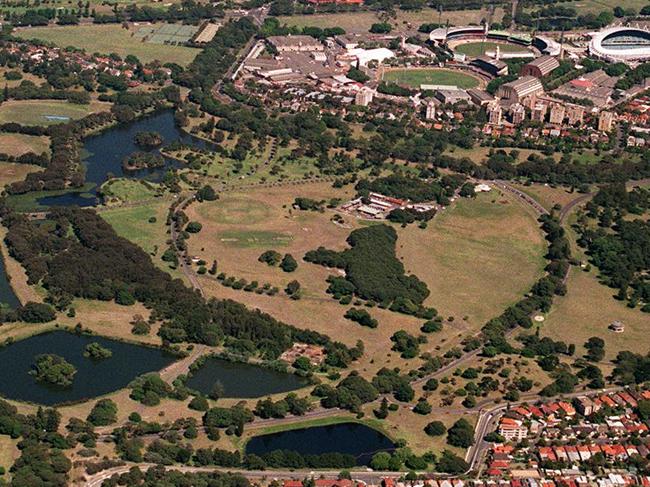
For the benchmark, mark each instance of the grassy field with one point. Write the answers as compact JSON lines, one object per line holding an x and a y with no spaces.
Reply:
{"x":128,"y":190}
{"x":479,"y":154}
{"x":416,"y":77}
{"x":36,"y":112}
{"x":548,"y":196}
{"x":361,"y":21}
{"x":19,"y":144}
{"x":107,"y":39}
{"x":474,"y":49}
{"x":480,"y":256}
{"x":597,"y":6}
{"x":11,"y":172}
{"x":133,"y":224}
{"x":8,"y":452}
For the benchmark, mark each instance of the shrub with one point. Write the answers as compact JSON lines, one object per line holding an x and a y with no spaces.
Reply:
{"x":435,"y":428}
{"x":288,"y":263}
{"x":103,"y":413}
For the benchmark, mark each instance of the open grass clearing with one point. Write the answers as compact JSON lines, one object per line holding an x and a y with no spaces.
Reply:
{"x":477,"y":257}
{"x":480,"y":154}
{"x":124,"y":190}
{"x":12,"y":83}
{"x":361,"y":21}
{"x":548,"y":196}
{"x":108,"y":39}
{"x":596,"y":6}
{"x":587,"y":310}
{"x":416,"y":77}
{"x":9,"y":452}
{"x":11,"y":172}
{"x":475,"y":49}
{"x":133,"y":223}
{"x":18,"y":144}
{"x":46,"y":112}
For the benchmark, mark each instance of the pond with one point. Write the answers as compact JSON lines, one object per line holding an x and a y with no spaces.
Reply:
{"x":242,"y":380}
{"x":93,"y":378}
{"x":7,"y":295}
{"x":354,"y":439}
{"x":106,"y":151}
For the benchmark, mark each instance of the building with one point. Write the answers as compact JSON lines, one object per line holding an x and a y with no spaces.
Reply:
{"x":480,"y":97}
{"x":596,"y":86}
{"x":605,"y":121}
{"x":556,"y":116}
{"x":512,"y":429}
{"x":452,"y":96}
{"x":621,"y":44}
{"x":364,"y":97}
{"x":493,"y":67}
{"x":520,"y":88}
{"x":540,"y":67}
{"x":430,"y":111}
{"x":575,"y":114}
{"x":517,"y":113}
{"x":617,"y":327}
{"x":538,"y":113}
{"x":495,"y":113}
{"x":297,"y":43}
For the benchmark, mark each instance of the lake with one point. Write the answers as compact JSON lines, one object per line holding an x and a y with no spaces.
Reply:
{"x":106,"y":150}
{"x":93,"y":378}
{"x":7,"y":295}
{"x":354,"y":439}
{"x":242,"y":380}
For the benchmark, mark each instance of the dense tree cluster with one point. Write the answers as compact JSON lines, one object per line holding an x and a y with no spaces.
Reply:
{"x":405,"y":187}
{"x":53,"y":369}
{"x":372,"y":267}
{"x":351,"y":393}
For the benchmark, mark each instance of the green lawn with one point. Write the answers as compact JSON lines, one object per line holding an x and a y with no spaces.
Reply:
{"x":474,"y":49}
{"x":597,"y":6}
{"x":129,"y":190}
{"x":45,"y":112}
{"x":107,"y":39}
{"x":416,"y":77}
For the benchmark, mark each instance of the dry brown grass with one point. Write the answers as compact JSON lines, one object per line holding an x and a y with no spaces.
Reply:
{"x":17,"y":275}
{"x":19,"y":144}
{"x":8,"y":452}
{"x":477,"y":257}
{"x":11,"y":172}
{"x":360,"y":22}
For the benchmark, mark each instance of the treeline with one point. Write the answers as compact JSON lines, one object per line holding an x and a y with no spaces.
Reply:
{"x":400,"y":186}
{"x":373,"y":270}
{"x":159,"y":475}
{"x":82,"y":256}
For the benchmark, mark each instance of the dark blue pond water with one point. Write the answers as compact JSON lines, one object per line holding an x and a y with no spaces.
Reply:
{"x":351,"y":438}
{"x":93,"y":378}
{"x":242,"y":380}
{"x":106,"y":151}
{"x":7,"y":295}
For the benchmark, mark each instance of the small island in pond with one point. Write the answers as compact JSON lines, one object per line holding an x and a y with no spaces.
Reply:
{"x":53,"y":369}
{"x":142,"y":160}
{"x":148,"y":139}
{"x":96,"y":352}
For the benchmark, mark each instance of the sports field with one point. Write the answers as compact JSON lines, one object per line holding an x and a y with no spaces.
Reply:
{"x":416,"y":77}
{"x":474,"y":49}
{"x":46,"y":112}
{"x":174,"y":34}
{"x":107,"y":39}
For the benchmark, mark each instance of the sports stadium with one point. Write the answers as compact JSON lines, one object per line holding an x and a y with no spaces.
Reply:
{"x":474,"y":41}
{"x":621,"y":44}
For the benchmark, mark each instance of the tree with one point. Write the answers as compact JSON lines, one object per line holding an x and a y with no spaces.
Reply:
{"x":270,"y":257}
{"x":193,"y":227}
{"x":96,"y":352}
{"x":36,"y":313}
{"x":461,"y":434}
{"x":422,"y":407}
{"x":103,"y":413}
{"x":435,"y":428}
{"x":53,"y":369}
{"x":199,"y":403}
{"x":288,"y":263}
{"x":451,"y":463}
{"x":380,"y":461}
{"x":643,"y":409}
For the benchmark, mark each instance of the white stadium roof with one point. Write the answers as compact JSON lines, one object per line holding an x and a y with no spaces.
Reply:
{"x":621,"y":44}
